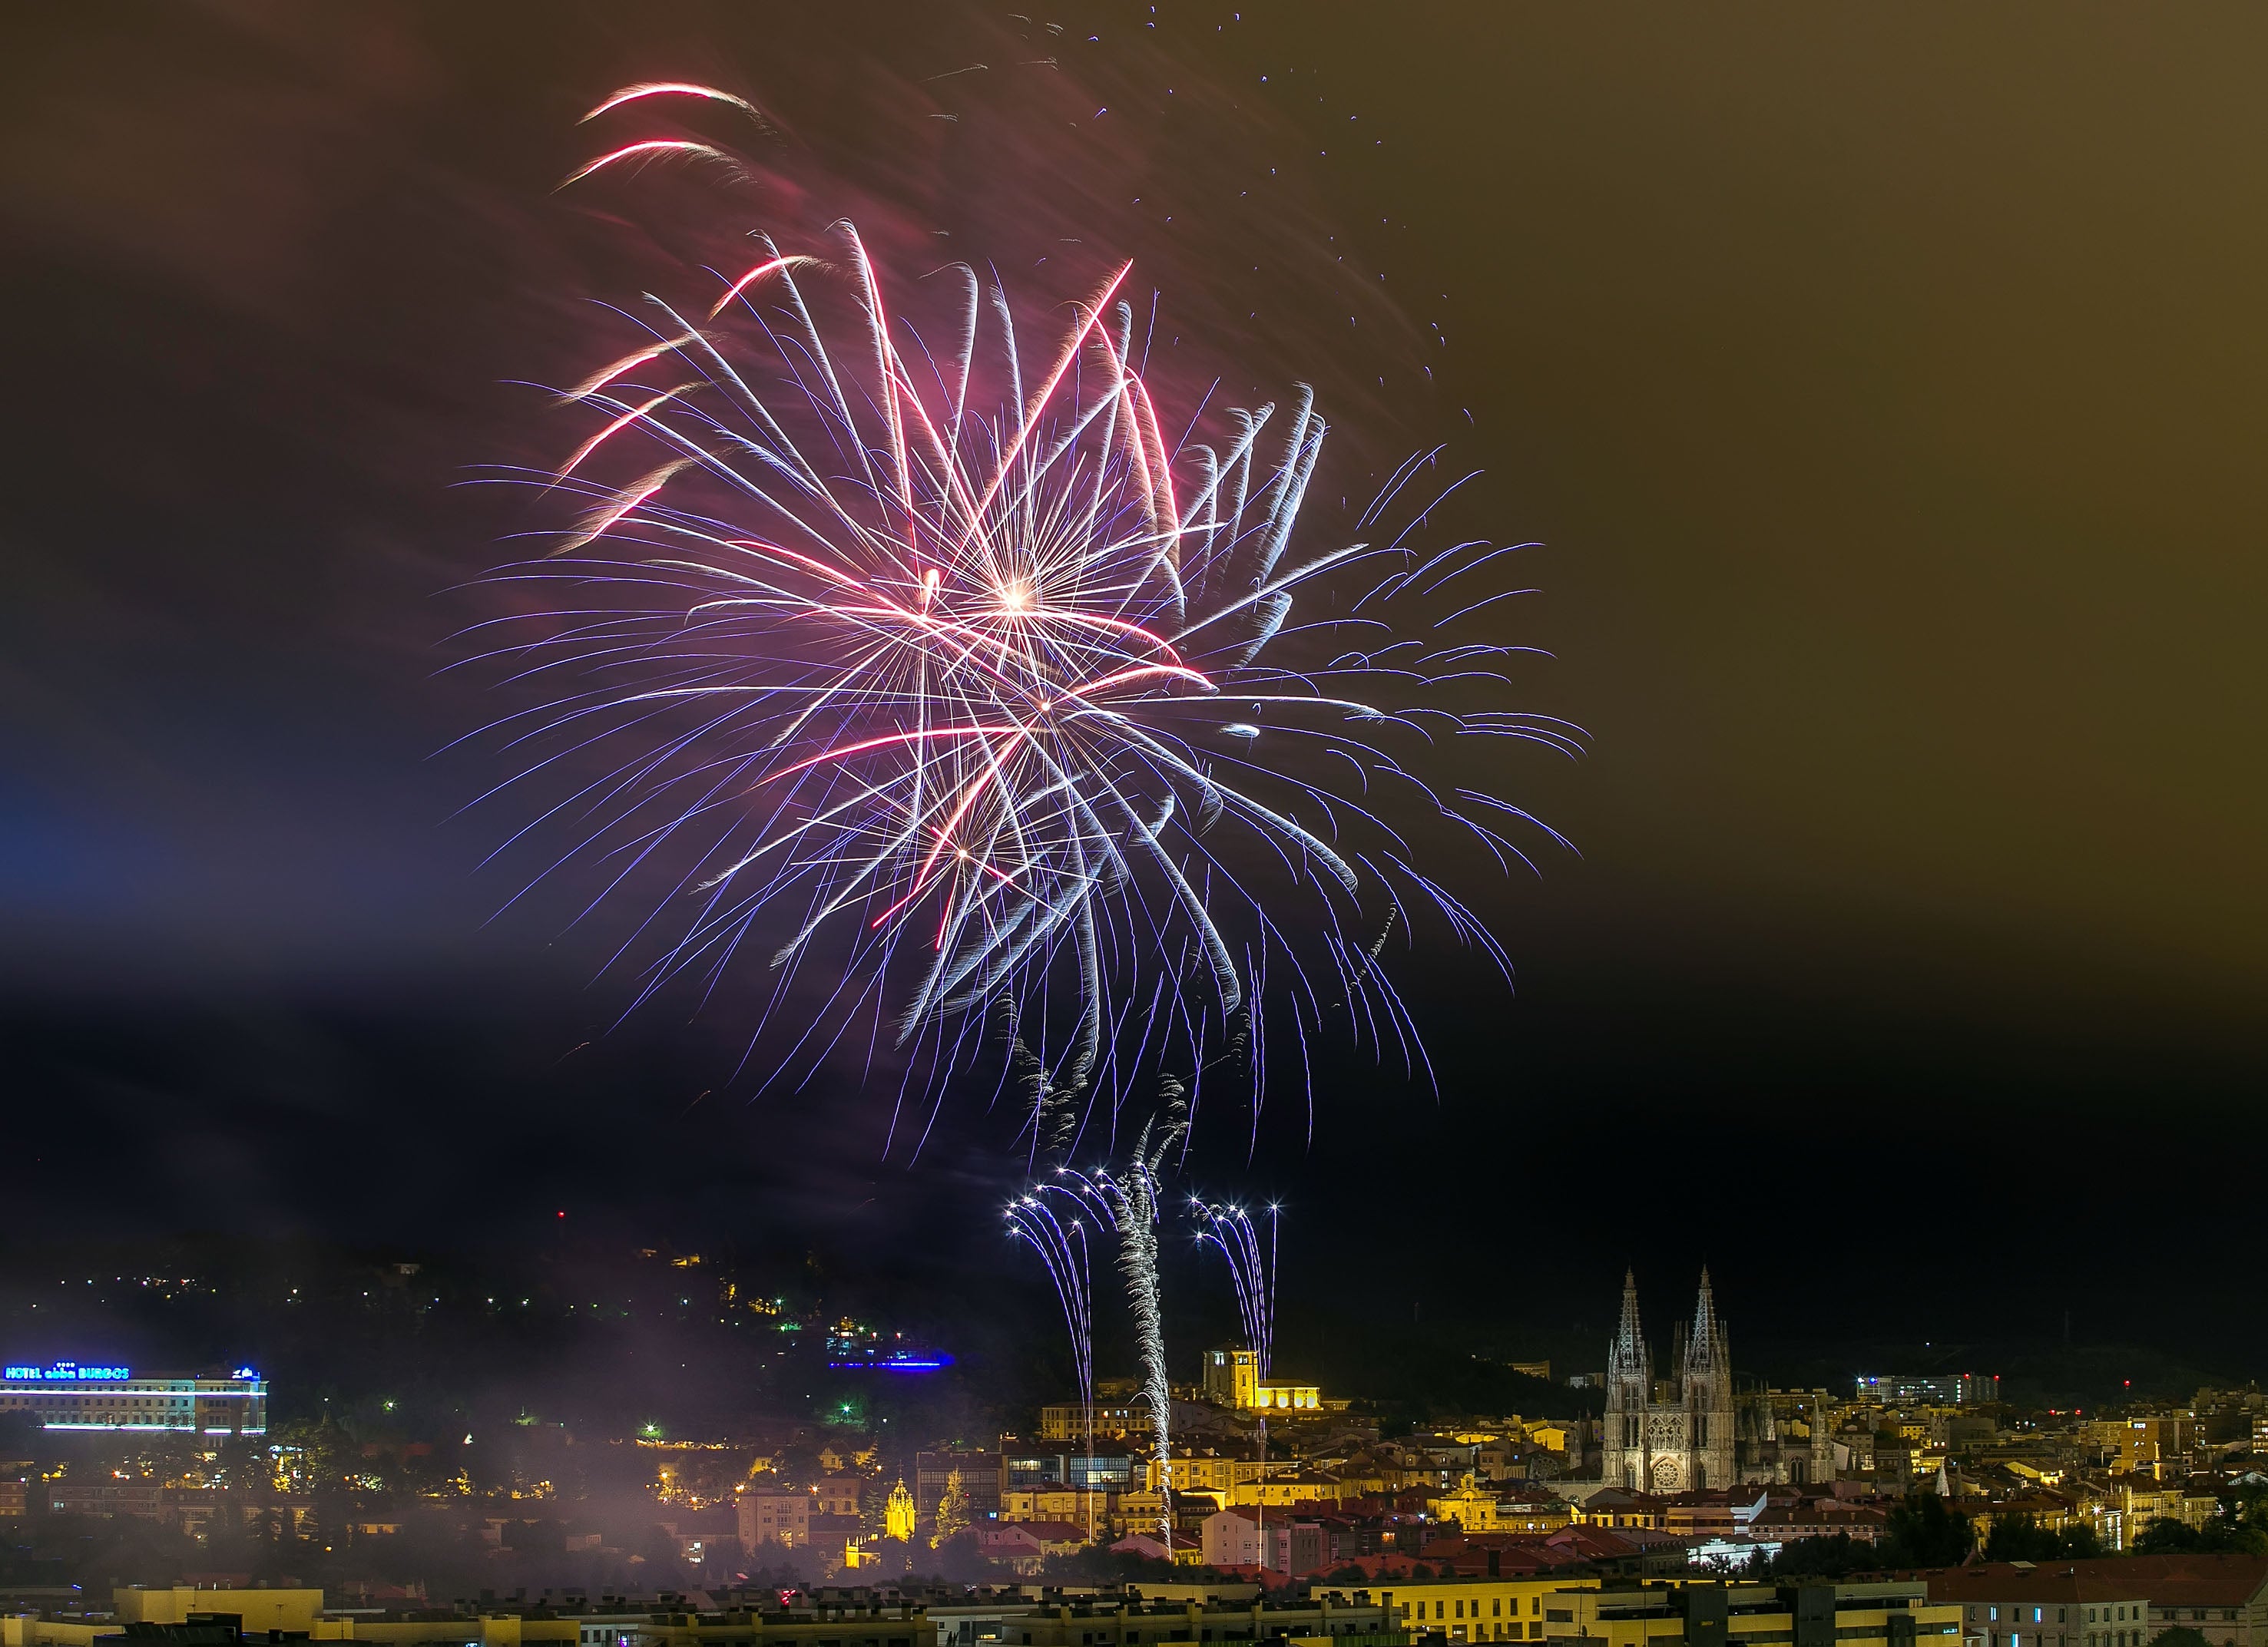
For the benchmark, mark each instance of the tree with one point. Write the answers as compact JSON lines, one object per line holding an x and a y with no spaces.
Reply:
{"x":2022,"y":1539}
{"x":951,"y":1510}
{"x":2163,"y":1536}
{"x":20,"y":1434}
{"x":1095,"y":1562}
{"x":2249,"y":1506}
{"x":2224,"y":1534}
{"x":1824,"y":1558}
{"x":1924,"y":1531}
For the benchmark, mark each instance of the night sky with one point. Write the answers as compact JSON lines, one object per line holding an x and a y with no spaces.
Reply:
{"x":1889,"y":392}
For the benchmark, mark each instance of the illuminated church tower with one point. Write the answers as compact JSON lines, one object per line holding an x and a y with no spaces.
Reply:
{"x":1706,"y":1389}
{"x":1686,"y":1440}
{"x":1629,"y":1392}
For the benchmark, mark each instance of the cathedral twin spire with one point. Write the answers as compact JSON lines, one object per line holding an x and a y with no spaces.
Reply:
{"x":1689,"y":1438}
{"x":1627,"y":1357}
{"x":1706,"y":1352}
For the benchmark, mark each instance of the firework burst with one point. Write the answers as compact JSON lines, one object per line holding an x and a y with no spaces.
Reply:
{"x":936,"y":651}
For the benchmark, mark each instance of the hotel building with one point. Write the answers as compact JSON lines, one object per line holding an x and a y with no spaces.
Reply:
{"x":69,"y":1396}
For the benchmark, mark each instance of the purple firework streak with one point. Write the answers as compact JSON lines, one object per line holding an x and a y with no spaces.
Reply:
{"x":1229,"y":1231}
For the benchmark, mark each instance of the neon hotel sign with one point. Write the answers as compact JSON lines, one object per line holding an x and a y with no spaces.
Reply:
{"x":70,"y":1373}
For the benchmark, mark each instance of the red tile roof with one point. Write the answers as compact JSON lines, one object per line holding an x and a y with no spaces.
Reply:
{"x":2005,"y":1582}
{"x":1054,"y":1531}
{"x":2193,"y":1580}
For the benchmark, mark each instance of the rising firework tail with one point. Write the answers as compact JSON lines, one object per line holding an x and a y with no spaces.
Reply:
{"x":1060,"y":1240}
{"x":1130,"y":1201}
{"x":930,"y":667}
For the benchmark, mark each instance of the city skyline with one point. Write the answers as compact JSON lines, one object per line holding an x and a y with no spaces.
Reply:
{"x":1811,"y":1136}
{"x":430,"y":1439}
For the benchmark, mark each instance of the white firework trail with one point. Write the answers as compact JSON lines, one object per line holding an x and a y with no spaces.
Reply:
{"x":1129,"y":1201}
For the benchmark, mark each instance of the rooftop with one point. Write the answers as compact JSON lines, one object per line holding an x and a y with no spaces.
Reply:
{"x":2190,"y":1580}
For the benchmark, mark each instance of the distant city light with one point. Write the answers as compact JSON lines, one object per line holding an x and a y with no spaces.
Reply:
{"x":908,"y":1359}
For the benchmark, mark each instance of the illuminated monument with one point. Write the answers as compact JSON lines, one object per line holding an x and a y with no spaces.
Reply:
{"x":1686,"y":1440}
{"x":1693,"y":1431}
{"x":1232,"y":1379}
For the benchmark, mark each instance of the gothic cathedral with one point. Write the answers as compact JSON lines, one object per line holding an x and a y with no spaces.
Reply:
{"x":1686,"y":1440}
